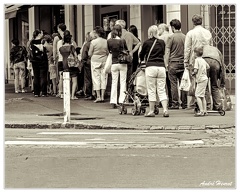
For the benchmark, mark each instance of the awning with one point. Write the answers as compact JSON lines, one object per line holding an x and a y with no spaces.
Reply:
{"x":11,"y":11}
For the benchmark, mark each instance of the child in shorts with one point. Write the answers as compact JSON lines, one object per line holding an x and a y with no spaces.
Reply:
{"x":200,"y":71}
{"x":53,"y":75}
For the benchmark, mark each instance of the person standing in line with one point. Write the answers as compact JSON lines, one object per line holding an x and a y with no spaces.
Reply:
{"x":131,"y":40}
{"x":175,"y":63}
{"x":18,"y":58}
{"x":58,"y":56}
{"x":98,"y":52}
{"x":200,"y":70}
{"x":111,"y":24}
{"x":155,"y":71}
{"x":214,"y":58}
{"x":133,"y":29}
{"x":163,"y":32}
{"x":115,"y":46}
{"x":51,"y":67}
{"x":198,"y":36}
{"x":65,"y":50}
{"x":86,"y":61}
{"x":38,"y":57}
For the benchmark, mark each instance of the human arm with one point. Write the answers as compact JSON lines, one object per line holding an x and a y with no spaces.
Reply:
{"x":143,"y":51}
{"x":187,"y":50}
{"x":55,"y":40}
{"x":90,"y":52}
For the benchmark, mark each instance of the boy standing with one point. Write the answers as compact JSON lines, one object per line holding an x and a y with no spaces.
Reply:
{"x":200,"y":70}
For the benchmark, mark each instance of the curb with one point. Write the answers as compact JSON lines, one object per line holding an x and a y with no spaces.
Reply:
{"x":113,"y":127}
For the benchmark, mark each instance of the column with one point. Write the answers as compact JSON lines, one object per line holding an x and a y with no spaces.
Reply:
{"x":7,"y":52}
{"x":69,"y":19}
{"x":88,"y":18}
{"x":135,"y":18}
{"x":80,"y":26}
{"x":31,"y":20}
{"x":172,"y":12}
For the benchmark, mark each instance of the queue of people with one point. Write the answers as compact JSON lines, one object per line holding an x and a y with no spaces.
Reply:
{"x":168,"y":55}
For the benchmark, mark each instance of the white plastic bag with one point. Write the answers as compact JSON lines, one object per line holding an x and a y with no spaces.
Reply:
{"x":140,"y":82}
{"x":185,"y":81}
{"x":108,"y":64}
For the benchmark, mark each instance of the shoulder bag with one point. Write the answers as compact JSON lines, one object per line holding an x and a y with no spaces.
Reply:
{"x":124,"y":57}
{"x":144,"y":62}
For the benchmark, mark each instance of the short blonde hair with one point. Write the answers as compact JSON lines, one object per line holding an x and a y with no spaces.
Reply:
{"x":152,"y":31}
{"x":163,"y":26}
{"x":122,"y":23}
{"x":93,"y":35}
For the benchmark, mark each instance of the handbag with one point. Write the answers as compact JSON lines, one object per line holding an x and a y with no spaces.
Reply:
{"x":124,"y":57}
{"x":71,"y":60}
{"x":185,"y":81}
{"x":108,"y":64}
{"x":144,"y":62}
{"x":192,"y":87}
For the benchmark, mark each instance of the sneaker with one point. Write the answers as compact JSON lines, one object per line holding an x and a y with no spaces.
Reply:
{"x":149,"y":115}
{"x":61,"y":96}
{"x":205,"y":114}
{"x":165,"y":114}
{"x":16,"y":91}
{"x":23,"y":91}
{"x":173,"y":107}
{"x":200,"y":114}
{"x":98,"y":100}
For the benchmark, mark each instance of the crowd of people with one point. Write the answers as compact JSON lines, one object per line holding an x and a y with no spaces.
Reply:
{"x":167,"y":53}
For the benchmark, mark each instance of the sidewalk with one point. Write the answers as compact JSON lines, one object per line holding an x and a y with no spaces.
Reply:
{"x":26,"y":111}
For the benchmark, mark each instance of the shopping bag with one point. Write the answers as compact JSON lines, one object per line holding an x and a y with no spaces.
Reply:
{"x":225,"y":99}
{"x":108,"y":64}
{"x":185,"y":81}
{"x":192,"y":88}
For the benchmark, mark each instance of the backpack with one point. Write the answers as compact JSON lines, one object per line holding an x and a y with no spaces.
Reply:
{"x":36,"y":54}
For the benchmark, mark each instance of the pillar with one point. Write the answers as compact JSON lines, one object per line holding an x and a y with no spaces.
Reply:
{"x":31,"y":20}
{"x":88,"y":18}
{"x":69,"y":19}
{"x":135,"y":18}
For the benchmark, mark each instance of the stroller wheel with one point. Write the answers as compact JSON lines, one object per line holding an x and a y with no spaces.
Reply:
{"x":143,"y":111}
{"x":134,"y":111}
{"x":120,"y":110}
{"x":156,"y":110}
{"x":125,"y":110}
{"x":222,"y":112}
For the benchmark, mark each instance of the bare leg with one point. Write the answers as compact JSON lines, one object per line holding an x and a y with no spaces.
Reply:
{"x":74,"y":86}
{"x":102,"y":94}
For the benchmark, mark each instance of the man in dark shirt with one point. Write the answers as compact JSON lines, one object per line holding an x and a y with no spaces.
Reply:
{"x":175,"y":63}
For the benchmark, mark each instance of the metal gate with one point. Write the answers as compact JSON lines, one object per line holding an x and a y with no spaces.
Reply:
{"x":221,"y":23}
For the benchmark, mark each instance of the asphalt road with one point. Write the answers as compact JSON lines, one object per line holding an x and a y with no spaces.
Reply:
{"x":56,"y":159}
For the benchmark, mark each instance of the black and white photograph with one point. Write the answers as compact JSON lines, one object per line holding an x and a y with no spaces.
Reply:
{"x":134,"y":96}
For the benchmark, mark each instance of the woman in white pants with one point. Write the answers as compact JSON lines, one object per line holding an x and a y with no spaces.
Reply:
{"x":115,"y":46}
{"x":155,"y":71}
{"x":98,"y":52}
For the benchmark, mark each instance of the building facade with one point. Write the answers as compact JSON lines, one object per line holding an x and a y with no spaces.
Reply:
{"x":22,"y":20}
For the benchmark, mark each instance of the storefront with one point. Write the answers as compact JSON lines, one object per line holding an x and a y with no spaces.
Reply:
{"x":22,"y":20}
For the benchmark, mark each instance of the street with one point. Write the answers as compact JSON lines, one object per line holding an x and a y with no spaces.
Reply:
{"x":118,"y":159}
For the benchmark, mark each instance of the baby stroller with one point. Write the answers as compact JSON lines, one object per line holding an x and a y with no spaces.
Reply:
{"x":136,"y":94}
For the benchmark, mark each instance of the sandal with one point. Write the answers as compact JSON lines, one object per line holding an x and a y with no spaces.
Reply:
{"x":98,"y":100}
{"x":74,"y":98}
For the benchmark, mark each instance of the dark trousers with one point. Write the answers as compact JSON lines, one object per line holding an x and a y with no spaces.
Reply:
{"x":214,"y":75}
{"x":168,"y":89}
{"x":87,"y":81}
{"x":129,"y":72}
{"x":80,"y":80}
{"x":175,"y":73}
{"x":40,"y":71}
